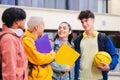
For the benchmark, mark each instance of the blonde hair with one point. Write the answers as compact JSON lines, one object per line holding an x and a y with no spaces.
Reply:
{"x":34,"y":21}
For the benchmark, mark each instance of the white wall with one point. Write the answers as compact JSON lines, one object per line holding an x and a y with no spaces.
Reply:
{"x":53,"y":17}
{"x":115,"y":7}
{"x":114,"y":75}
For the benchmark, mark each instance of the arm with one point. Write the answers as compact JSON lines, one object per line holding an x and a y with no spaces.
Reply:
{"x":109,"y":47}
{"x":58,"y":67}
{"x":77,"y":63}
{"x":112,"y":51}
{"x":8,"y":49}
{"x":34,"y":56}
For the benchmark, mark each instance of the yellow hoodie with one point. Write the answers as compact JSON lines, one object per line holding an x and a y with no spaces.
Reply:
{"x":37,"y":58}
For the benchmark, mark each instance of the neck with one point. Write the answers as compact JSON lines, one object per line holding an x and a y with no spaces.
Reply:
{"x":89,"y":32}
{"x":35,"y":34}
{"x":63,"y":39}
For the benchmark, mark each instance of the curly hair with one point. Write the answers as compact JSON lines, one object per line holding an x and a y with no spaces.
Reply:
{"x":86,"y":14}
{"x":13,"y":14}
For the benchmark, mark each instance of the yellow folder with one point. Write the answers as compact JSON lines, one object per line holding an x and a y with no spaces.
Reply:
{"x":66,"y":55}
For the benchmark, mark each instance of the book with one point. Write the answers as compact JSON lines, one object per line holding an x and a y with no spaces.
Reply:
{"x":66,"y":55}
{"x":43,"y":46}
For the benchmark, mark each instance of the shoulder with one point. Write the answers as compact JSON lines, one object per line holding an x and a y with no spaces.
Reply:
{"x":103,"y":36}
{"x":27,"y":41}
{"x":27,"y":38}
{"x":8,"y":37}
{"x":78,"y":39}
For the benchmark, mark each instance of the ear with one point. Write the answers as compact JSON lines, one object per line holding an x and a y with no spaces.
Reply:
{"x":16,"y":22}
{"x":35,"y":28}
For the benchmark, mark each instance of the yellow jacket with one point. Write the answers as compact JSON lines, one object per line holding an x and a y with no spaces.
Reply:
{"x":37,"y":58}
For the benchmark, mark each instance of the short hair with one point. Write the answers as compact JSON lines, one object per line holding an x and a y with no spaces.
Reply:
{"x":34,"y":21}
{"x":13,"y":14}
{"x":86,"y":14}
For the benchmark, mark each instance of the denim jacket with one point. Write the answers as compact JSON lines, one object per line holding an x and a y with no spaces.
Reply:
{"x":58,"y":69}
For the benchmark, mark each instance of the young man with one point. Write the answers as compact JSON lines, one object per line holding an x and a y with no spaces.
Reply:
{"x":12,"y":57}
{"x":87,"y":45}
{"x":35,"y":58}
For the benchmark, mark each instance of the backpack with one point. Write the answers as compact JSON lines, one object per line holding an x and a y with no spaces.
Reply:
{"x":102,"y":40}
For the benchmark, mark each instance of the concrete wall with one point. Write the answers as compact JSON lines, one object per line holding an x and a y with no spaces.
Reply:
{"x":53,"y":17}
{"x":114,"y":76}
{"x":115,"y":7}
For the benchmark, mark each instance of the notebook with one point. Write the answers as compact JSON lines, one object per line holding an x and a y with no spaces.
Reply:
{"x":66,"y":55}
{"x":43,"y":45}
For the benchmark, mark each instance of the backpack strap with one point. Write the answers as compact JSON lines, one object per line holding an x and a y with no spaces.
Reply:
{"x":2,"y":35}
{"x":101,"y":41}
{"x":77,"y":43}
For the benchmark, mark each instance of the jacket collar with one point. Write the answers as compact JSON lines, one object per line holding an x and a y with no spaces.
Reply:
{"x":57,"y":42}
{"x":27,"y":33}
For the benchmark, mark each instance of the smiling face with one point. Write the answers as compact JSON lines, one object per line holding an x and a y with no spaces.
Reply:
{"x":64,"y":31}
{"x":87,"y":23}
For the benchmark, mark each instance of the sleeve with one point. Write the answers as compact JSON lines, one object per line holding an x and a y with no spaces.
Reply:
{"x":34,"y":56}
{"x":77,"y":63}
{"x":8,"y":49}
{"x":58,"y":67}
{"x":55,"y":66}
{"x":112,"y":51}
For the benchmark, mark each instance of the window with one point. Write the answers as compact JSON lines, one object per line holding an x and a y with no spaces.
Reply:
{"x":9,"y":2}
{"x":93,"y":5}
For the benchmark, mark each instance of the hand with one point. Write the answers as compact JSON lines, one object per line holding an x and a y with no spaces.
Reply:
{"x":68,"y":68}
{"x":105,"y":67}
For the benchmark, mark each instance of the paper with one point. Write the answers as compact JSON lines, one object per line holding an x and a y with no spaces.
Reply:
{"x":66,"y":55}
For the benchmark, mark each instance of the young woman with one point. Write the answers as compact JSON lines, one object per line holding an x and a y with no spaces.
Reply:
{"x":64,"y":35}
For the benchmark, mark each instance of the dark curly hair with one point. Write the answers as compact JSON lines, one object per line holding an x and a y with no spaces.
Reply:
{"x":13,"y":14}
{"x":86,"y":14}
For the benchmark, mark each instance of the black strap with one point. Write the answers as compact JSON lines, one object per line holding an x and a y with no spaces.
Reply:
{"x":102,"y":41}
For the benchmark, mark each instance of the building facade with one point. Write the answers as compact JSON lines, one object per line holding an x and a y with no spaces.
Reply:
{"x":55,"y":11}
